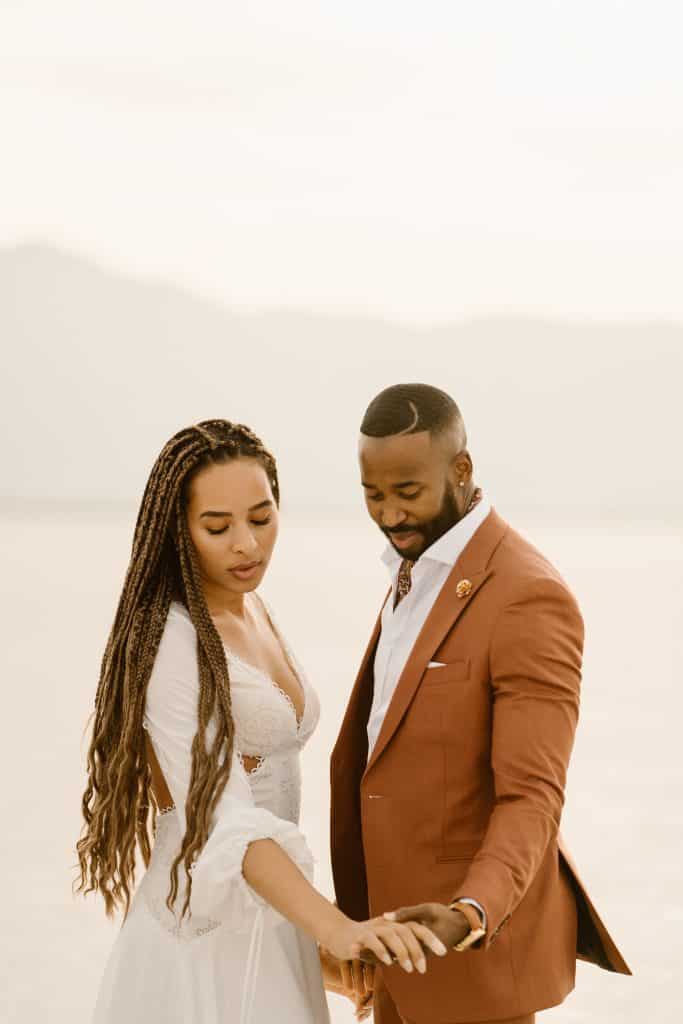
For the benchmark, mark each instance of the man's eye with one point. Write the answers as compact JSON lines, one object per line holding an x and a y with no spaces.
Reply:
{"x":373,"y":497}
{"x":409,"y":497}
{"x":214,"y":533}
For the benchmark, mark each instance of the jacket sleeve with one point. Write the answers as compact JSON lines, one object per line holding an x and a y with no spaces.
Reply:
{"x":535,"y":665}
{"x":219,"y":889}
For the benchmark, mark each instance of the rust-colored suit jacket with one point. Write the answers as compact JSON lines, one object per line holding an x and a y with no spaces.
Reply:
{"x":464,"y":789}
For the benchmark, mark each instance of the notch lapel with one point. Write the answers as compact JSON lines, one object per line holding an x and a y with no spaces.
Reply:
{"x":353,"y":730}
{"x":472,"y":565}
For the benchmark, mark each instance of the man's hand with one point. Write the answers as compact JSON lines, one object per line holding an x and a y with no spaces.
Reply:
{"x":448,"y":925}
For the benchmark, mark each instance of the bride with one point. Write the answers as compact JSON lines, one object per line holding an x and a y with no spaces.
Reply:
{"x":200,"y":713}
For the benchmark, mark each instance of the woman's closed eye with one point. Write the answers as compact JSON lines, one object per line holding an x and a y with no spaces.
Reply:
{"x":255,"y":522}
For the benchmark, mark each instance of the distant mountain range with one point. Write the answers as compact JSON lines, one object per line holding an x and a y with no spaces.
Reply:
{"x":571,"y":421}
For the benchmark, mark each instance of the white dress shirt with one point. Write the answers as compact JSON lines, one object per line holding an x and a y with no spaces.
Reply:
{"x":401,"y":627}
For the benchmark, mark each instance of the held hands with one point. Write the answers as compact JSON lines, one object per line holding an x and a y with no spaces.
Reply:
{"x":351,"y":951}
{"x":449,"y":925}
{"x":366,"y":943}
{"x":386,"y":941}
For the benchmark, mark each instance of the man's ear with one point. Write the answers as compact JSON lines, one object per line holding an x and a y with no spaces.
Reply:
{"x":460,"y":468}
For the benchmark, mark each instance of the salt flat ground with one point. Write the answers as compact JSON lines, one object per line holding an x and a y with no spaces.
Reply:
{"x":60,"y":581}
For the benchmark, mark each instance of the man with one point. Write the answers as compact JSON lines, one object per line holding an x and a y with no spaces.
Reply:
{"x":449,"y":770}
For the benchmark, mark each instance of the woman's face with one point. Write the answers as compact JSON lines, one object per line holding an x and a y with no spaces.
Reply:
{"x":233,"y":522}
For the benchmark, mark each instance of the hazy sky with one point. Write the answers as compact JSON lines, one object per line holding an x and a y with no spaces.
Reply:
{"x":426,"y":160}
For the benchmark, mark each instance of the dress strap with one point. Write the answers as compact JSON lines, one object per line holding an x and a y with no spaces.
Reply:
{"x":253,"y":959}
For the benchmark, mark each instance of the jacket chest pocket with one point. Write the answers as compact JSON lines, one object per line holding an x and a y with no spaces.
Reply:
{"x":450,"y":672}
{"x":428,"y":720}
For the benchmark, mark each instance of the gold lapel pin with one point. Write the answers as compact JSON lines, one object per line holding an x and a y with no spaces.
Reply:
{"x":464,"y":588}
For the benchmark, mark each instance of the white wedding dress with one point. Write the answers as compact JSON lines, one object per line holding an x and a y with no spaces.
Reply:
{"x":236,"y":960}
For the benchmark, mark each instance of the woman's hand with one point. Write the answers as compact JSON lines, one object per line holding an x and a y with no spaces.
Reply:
{"x":331,"y":972}
{"x":451,"y":926}
{"x":349,"y":978}
{"x":387,"y":940}
{"x":360,"y":980}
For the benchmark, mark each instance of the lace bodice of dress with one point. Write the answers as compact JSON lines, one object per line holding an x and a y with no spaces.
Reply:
{"x":266,"y":727}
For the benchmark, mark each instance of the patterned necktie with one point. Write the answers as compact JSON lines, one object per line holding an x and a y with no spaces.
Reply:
{"x":404,"y":581}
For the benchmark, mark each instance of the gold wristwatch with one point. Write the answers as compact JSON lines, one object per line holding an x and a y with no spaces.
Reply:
{"x":473,"y":919}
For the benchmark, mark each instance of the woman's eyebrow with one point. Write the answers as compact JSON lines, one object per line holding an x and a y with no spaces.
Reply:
{"x":252,"y":508}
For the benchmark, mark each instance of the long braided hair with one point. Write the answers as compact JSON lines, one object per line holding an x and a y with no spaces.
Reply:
{"x":118,"y":801}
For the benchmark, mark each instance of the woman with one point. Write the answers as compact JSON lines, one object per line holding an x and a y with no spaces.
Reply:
{"x":200,"y":713}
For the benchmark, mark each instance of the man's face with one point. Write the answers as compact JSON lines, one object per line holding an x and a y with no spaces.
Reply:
{"x":409,"y":486}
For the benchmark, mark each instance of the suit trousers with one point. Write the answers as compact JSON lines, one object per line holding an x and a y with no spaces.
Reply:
{"x":385,"y":1011}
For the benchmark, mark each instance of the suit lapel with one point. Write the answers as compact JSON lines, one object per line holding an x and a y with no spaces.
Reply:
{"x":447,"y":609}
{"x":353,"y":729}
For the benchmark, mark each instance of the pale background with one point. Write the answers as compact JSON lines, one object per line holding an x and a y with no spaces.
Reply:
{"x":268,"y":212}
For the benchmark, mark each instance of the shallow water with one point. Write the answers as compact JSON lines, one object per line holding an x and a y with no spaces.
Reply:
{"x":623,"y":820}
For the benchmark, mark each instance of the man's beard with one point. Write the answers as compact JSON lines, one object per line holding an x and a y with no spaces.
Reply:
{"x":431,"y":530}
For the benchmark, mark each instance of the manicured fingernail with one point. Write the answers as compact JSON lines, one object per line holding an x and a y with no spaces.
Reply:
{"x":441,"y":949}
{"x":386,"y":958}
{"x":422,"y":966}
{"x":390,"y":915}
{"x":408,"y":966}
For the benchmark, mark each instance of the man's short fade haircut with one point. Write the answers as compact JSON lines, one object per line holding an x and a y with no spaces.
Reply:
{"x":409,"y":409}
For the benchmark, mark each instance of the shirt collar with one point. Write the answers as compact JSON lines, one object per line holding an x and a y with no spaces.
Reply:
{"x":450,"y":545}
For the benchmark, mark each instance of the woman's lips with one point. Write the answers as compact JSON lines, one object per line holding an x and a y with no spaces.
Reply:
{"x":246,"y":572}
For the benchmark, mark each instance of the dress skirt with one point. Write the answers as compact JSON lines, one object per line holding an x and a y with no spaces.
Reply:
{"x":206,"y":973}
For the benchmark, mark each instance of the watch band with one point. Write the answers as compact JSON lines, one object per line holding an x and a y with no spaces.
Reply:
{"x":472,"y":917}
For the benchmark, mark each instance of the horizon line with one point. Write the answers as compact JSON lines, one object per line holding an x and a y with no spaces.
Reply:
{"x":113,"y":269}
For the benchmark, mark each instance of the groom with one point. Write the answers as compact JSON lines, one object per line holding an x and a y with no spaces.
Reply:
{"x":449,"y":770}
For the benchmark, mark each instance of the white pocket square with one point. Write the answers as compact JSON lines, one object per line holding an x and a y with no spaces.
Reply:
{"x":436,"y":664}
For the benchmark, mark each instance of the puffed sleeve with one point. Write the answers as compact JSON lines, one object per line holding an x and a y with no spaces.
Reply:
{"x":219,"y":889}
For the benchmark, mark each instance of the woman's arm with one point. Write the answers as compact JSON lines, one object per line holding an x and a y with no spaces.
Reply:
{"x":277,"y":879}
{"x":252,"y":858}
